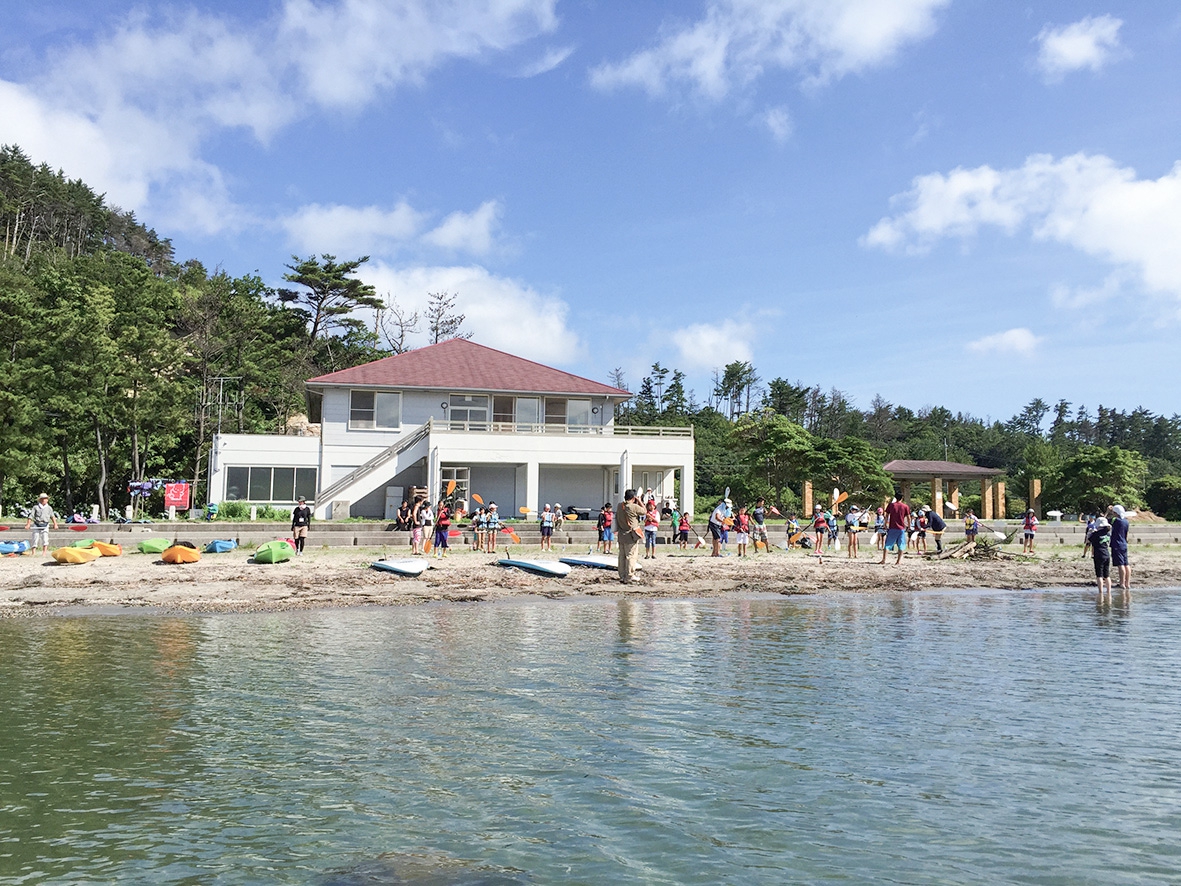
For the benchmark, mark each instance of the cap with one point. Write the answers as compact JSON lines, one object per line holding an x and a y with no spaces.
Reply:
{"x":1030,"y":511}
{"x":301,"y":498}
{"x":854,"y":508}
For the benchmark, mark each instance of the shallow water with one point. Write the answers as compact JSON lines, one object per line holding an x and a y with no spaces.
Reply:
{"x":936,"y":738}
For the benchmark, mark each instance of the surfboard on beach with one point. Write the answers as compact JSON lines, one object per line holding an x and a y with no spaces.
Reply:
{"x":593,"y":561}
{"x":407,"y":566}
{"x":550,"y":568}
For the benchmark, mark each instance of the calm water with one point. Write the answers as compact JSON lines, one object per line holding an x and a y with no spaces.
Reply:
{"x":938,"y":738}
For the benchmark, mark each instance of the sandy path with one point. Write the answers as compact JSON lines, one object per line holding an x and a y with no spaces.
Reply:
{"x":32,"y":585}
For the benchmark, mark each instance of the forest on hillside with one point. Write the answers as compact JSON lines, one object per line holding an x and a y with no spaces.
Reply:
{"x":120,"y":362}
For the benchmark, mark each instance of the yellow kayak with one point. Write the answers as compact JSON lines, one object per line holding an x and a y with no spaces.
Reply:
{"x":181,"y":554}
{"x":75,"y":555}
{"x":107,"y":550}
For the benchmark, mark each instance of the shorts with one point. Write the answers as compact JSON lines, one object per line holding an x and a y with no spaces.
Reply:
{"x":683,"y":535}
{"x":1103,"y":568}
{"x":759,"y":533}
{"x":42,"y":533}
{"x":1118,"y":557}
{"x":1029,"y":533}
{"x":608,"y":534}
{"x":895,"y":539}
{"x":650,"y":538}
{"x":299,"y":532}
{"x":547,"y":531}
{"x":743,"y":538}
{"x":715,"y":531}
{"x":922,"y":533}
{"x":416,"y":534}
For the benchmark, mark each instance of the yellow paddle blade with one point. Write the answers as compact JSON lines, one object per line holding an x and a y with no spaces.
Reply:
{"x":476,"y":498}
{"x":523,"y":509}
{"x":450,"y":486}
{"x":570,"y":517}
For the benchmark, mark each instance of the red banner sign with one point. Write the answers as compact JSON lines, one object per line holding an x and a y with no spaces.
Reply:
{"x":176,"y":495}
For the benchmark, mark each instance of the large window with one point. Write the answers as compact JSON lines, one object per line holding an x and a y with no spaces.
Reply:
{"x":472,"y":408}
{"x":528,"y":410}
{"x":560,"y":411}
{"x":375,"y":409}
{"x":555,"y":410}
{"x":263,"y":484}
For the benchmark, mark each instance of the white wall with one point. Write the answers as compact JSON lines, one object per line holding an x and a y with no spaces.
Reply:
{"x":258,"y":450}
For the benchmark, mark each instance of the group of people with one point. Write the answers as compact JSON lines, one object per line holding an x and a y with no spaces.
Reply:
{"x":1107,"y":541}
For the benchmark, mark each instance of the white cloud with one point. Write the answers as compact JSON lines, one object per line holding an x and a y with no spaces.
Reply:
{"x":502,"y":313}
{"x":1020,"y":342}
{"x":738,"y":40}
{"x":710,"y":345}
{"x":472,"y":232}
{"x":1090,"y":43}
{"x":1073,"y":298}
{"x":352,"y":229}
{"x":778,"y":123}
{"x":131,"y":111}
{"x":1086,"y":202}
{"x":552,"y":59}
{"x":377,"y":231}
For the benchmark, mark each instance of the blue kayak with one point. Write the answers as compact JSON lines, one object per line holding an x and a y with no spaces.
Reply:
{"x":220,"y":546}
{"x":13,"y":547}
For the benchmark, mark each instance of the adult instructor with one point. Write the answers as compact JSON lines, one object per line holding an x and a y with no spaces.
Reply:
{"x":629,"y":521}
{"x":897,"y":519}
{"x":301,"y":519}
{"x":1119,"y":547}
{"x":40,"y":519}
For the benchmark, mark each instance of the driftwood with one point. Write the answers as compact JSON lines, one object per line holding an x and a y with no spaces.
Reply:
{"x":961,"y":550}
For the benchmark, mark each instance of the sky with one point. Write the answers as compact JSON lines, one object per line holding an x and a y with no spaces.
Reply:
{"x":954,"y":203}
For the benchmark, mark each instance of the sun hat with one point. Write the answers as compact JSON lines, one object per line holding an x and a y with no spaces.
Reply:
{"x":301,"y":498}
{"x":1101,"y":522}
{"x":44,"y":495}
{"x":1119,"y":510}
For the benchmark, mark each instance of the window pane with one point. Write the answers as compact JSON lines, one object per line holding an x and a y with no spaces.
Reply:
{"x":305,"y":482}
{"x":502,"y":409}
{"x":469,"y":407}
{"x":555,"y":411}
{"x":283,"y":488}
{"x":237,"y":480}
{"x":389,"y":410}
{"x":260,"y":484}
{"x":578,"y":412}
{"x":361,"y":409}
{"x":528,"y":410}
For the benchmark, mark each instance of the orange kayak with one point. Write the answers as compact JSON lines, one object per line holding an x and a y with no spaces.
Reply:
{"x":75,"y":555}
{"x":181,"y":554}
{"x":107,"y":550}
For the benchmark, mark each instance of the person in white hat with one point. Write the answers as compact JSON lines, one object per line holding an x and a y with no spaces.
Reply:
{"x":852,"y":527}
{"x":41,"y":517}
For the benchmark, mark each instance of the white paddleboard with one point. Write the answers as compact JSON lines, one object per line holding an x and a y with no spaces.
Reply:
{"x":408,"y":566}
{"x":550,"y":568}
{"x":594,"y":561}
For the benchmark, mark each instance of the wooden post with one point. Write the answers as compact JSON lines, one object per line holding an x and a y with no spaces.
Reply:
{"x":986,"y":498}
{"x":953,"y":494}
{"x":1001,"y":509}
{"x":807,"y":515}
{"x":937,"y":495}
{"x":1035,"y":497}
{"x":906,"y":486}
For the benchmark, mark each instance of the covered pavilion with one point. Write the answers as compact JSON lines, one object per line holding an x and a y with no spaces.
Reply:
{"x":907,"y":472}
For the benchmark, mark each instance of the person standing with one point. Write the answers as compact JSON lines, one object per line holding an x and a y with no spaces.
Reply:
{"x":40,"y":519}
{"x":442,"y":530}
{"x":301,"y":519}
{"x":820,"y":527}
{"x":1029,"y":527}
{"x":742,"y":530}
{"x":629,"y":517}
{"x":546,"y":524}
{"x":651,"y":527}
{"x":852,"y":528}
{"x":971,"y":526}
{"x":938,"y":527}
{"x":897,"y":519}
{"x":1101,"y":554}
{"x":491,"y":527}
{"x":717,"y":526}
{"x":758,"y":525}
{"x":683,"y":530}
{"x":1119,"y":547}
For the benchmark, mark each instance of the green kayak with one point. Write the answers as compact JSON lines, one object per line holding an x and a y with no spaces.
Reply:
{"x":274,"y":552}
{"x":84,"y":543}
{"x":154,"y":545}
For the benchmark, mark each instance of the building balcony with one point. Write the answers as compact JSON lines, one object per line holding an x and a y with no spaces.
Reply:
{"x":526,"y":428}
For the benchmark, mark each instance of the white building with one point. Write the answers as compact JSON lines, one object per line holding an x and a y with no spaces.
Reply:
{"x":508,"y":429}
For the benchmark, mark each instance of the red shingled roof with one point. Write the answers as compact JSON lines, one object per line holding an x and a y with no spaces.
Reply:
{"x":462,"y":365}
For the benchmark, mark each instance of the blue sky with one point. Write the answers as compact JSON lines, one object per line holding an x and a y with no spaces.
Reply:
{"x":945,"y":202}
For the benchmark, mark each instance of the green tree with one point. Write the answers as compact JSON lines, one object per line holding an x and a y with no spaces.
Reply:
{"x":779,"y":453}
{"x":442,"y":319}
{"x":332,"y":293}
{"x":1164,"y":497}
{"x":851,"y":465}
{"x":1096,"y":477}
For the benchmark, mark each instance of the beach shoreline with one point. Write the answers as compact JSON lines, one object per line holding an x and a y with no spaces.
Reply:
{"x":332,"y":578}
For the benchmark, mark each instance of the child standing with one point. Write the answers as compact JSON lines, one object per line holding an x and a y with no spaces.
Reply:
{"x":742,"y":528}
{"x":651,"y":525}
{"x":683,"y":531}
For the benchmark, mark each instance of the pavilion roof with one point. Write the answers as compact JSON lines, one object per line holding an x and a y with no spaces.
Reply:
{"x":912,"y":469}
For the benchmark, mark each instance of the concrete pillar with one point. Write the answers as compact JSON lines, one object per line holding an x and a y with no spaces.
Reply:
{"x":687,"y":487}
{"x":986,"y":498}
{"x":434,"y":476}
{"x":953,"y":494}
{"x":807,"y":514}
{"x":1001,"y":513}
{"x":625,"y":474}
{"x":1035,"y":497}
{"x":937,"y":495}
{"x":533,"y":487}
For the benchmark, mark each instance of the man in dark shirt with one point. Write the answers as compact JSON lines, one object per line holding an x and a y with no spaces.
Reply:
{"x":897,"y":519}
{"x":1119,"y":547}
{"x":301,"y":519}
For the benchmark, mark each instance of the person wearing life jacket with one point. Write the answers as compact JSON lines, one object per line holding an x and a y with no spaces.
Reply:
{"x":1029,"y":531}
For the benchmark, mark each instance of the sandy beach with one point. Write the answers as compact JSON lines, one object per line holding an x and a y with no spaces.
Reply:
{"x":36,"y":585}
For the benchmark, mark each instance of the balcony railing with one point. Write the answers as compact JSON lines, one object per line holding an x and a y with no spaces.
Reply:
{"x":511,"y":427}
